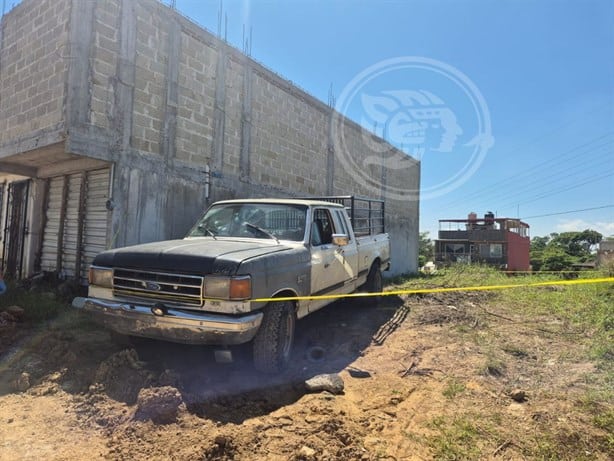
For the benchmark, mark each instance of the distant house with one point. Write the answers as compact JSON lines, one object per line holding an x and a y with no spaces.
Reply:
{"x":501,"y":242}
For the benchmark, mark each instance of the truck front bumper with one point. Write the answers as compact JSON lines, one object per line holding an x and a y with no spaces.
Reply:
{"x":175,"y":325}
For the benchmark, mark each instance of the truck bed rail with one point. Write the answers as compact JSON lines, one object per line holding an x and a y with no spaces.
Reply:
{"x":366,"y":214}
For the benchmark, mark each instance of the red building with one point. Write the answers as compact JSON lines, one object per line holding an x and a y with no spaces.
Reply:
{"x":501,"y":242}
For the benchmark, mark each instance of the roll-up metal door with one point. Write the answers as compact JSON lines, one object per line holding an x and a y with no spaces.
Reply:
{"x":96,"y":217}
{"x":75,"y":222}
{"x":49,"y":254}
{"x":71,"y":225}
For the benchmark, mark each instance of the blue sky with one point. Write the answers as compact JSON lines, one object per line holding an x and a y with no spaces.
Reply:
{"x":545,"y":70}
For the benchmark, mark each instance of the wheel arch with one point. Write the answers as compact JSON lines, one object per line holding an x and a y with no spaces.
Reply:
{"x":286,"y":293}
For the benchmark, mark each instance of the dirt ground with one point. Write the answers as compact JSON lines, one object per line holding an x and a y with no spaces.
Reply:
{"x":429,"y":377}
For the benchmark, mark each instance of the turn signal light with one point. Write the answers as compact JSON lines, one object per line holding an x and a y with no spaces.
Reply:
{"x":240,"y":288}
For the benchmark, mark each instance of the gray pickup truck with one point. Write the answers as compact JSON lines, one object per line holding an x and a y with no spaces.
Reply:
{"x":220,"y":284}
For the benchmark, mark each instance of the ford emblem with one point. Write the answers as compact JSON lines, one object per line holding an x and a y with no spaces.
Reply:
{"x":152,"y":286}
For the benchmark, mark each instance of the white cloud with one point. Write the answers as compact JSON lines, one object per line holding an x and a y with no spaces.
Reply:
{"x":572,"y":225}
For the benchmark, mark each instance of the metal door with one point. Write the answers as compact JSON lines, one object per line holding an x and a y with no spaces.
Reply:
{"x":51,"y":233}
{"x":76,"y":222}
{"x":94,"y":239}
{"x":70,"y":239}
{"x":15,"y":229}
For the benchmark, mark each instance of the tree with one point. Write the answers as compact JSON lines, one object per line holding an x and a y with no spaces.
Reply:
{"x":425,"y":249}
{"x":578,"y":245}
{"x":555,"y":259}
{"x":561,"y":251}
{"x":536,"y":252}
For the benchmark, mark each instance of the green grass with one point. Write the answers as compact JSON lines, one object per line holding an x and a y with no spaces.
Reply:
{"x":455,"y":438}
{"x":453,"y":389}
{"x":578,"y":319}
{"x":38,"y":306}
{"x":583,"y":310}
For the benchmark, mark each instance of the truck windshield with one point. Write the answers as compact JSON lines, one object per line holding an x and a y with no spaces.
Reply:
{"x":253,"y":220}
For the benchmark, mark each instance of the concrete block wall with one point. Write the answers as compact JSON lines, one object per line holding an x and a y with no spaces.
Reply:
{"x":289,"y":138}
{"x":196,"y":100}
{"x":33,"y":68}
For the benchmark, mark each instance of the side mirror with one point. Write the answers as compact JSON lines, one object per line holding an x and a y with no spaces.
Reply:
{"x":341,"y":239}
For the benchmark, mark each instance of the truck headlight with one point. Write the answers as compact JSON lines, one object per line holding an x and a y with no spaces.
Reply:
{"x":234,"y":288}
{"x":100,"y":276}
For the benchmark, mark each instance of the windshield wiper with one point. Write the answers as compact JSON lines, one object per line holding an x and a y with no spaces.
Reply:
{"x":260,"y":229}
{"x":208,"y":231}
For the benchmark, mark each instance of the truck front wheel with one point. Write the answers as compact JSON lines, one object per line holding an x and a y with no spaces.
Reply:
{"x":273,"y":342}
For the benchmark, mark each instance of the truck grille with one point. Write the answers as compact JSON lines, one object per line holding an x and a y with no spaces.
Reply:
{"x":173,"y":288}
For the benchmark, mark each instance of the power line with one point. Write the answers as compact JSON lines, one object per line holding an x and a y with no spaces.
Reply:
{"x":535,"y":169}
{"x":554,"y":185}
{"x":558,"y":191}
{"x":569,"y":212}
{"x":541,"y":183}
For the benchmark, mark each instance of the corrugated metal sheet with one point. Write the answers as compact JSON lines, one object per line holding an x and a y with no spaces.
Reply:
{"x":96,"y":217}
{"x":71,"y":225}
{"x":52,"y":225}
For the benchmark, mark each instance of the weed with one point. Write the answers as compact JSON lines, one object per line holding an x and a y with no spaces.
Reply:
{"x":455,"y":440}
{"x":515,"y":351}
{"x":493,"y":367}
{"x":453,"y":388}
{"x":38,"y":306}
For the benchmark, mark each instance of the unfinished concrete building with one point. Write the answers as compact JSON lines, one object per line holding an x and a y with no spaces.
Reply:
{"x":121,"y":121}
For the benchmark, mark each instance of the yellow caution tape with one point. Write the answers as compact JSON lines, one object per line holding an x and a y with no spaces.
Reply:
{"x":569,"y":271}
{"x":438,"y":290}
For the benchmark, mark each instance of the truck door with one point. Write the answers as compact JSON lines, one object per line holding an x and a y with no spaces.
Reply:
{"x":347,"y":254}
{"x":328,"y":271}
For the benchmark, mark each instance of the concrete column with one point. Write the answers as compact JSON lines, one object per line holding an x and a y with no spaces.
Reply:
{"x":78,"y":102}
{"x":123,"y":81}
{"x":246,"y":123}
{"x":169,"y":130}
{"x":219,"y":110}
{"x":330,"y":156}
{"x":383,"y":178}
{"x":36,"y":220}
{"x":121,"y":118}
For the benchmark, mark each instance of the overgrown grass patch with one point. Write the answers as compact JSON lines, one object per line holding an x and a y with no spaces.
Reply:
{"x":38,"y":306}
{"x":586,"y":311}
{"x":538,"y":338}
{"x":453,"y":389}
{"x":455,"y":438}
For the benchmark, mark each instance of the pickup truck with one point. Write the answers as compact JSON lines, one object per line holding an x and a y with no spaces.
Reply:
{"x":219,"y":285}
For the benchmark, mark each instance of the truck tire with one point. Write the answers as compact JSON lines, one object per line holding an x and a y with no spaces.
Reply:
{"x":273,"y":342}
{"x":375,"y":283}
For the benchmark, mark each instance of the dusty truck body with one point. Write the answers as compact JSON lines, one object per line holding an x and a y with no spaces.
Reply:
{"x":220,"y":284}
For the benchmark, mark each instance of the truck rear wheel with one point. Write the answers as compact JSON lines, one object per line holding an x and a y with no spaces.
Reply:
{"x":375,"y":283}
{"x":273,"y":342}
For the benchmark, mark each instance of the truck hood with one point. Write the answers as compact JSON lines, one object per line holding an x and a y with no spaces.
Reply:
{"x":198,"y":255}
